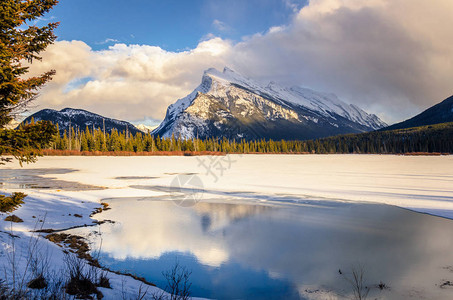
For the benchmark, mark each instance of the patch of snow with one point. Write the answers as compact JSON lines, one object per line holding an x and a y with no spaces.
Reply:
{"x":145,"y":128}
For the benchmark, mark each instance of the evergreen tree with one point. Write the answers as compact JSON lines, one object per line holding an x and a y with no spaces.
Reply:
{"x":21,"y":42}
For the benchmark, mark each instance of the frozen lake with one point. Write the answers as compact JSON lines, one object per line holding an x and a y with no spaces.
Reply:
{"x":262,"y":226}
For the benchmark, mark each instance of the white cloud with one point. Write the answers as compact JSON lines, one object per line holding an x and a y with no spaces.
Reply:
{"x":43,"y":20}
{"x":124,"y":81}
{"x":219,"y":25}
{"x":293,"y":5}
{"x":391,"y":57}
{"x":108,"y":41}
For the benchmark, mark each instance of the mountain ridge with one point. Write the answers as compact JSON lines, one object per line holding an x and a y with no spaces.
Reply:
{"x":80,"y":118}
{"x":441,"y":112}
{"x":231,"y":105}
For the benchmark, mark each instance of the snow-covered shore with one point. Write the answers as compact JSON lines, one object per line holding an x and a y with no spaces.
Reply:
{"x":55,"y":209}
{"x":76,"y":185}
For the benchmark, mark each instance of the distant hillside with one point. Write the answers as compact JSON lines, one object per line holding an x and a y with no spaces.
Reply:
{"x":79,"y":118}
{"x":439,"y":113}
{"x":437,"y":138}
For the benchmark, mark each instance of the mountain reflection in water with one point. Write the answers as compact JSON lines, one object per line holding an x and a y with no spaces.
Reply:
{"x":242,"y":250}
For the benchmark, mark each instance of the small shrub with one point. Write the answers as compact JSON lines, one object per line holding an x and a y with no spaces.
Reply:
{"x":104,"y":281}
{"x":14,"y":219}
{"x":81,"y":287}
{"x":3,"y":289}
{"x":382,"y":286}
{"x":82,"y":278}
{"x":10,"y":203}
{"x":178,"y":282}
{"x":357,"y":282}
{"x":105,"y":206}
{"x":37,"y":283}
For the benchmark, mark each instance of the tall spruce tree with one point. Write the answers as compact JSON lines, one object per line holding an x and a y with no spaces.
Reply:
{"x":22,"y":43}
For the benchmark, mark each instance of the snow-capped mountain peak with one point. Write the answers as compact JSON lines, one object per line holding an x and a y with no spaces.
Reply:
{"x":79,"y":119}
{"x":145,"y":128}
{"x":226,"y":96}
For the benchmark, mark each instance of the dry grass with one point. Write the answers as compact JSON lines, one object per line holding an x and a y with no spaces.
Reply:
{"x":51,"y":152}
{"x":14,"y":219}
{"x":425,"y":153}
{"x":105,"y":206}
{"x":75,"y":243}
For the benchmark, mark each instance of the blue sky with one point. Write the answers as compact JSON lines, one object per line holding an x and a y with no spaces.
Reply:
{"x":389,"y":57}
{"x":174,"y":25}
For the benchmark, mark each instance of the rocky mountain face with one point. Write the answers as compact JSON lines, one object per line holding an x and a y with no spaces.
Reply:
{"x":226,"y":104}
{"x":439,"y":113}
{"x":79,"y":118}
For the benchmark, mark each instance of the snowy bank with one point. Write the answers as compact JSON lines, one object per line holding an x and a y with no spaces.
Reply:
{"x":64,"y":191}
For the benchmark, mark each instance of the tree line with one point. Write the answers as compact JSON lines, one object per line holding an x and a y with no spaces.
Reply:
{"x":428,"y":139}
